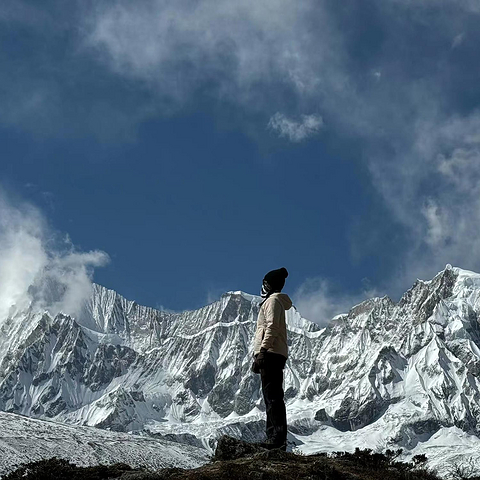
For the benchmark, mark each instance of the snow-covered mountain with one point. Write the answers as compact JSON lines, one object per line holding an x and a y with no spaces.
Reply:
{"x":384,"y":375}
{"x":124,"y":367}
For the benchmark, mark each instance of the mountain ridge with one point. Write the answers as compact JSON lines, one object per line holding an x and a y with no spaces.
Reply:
{"x":391,"y":374}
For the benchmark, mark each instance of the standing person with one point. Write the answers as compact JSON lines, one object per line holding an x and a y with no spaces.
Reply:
{"x":271,"y":352}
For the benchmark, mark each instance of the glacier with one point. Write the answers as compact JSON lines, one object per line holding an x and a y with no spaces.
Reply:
{"x":384,"y":375}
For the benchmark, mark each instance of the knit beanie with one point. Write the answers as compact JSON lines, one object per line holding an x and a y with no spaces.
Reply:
{"x":276,"y":279}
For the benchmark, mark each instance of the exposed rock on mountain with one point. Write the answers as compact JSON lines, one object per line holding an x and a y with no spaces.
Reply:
{"x":383,"y":375}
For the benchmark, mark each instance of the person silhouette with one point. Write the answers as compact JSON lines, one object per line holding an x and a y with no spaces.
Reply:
{"x":270,"y":354}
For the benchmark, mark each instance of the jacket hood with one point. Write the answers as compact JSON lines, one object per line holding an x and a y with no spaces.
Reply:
{"x":284,"y":298}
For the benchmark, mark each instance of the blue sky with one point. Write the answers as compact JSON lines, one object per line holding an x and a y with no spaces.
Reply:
{"x":201,"y":144}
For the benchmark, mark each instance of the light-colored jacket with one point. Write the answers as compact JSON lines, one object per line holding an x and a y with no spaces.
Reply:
{"x":271,"y":330}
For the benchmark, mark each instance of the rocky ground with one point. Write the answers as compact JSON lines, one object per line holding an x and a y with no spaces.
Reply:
{"x":238,"y":460}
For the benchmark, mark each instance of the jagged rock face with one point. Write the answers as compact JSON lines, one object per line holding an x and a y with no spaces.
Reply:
{"x":363,"y":359}
{"x":127,"y":367}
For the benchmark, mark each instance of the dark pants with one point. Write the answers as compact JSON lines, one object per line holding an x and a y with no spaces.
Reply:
{"x":272,"y":388}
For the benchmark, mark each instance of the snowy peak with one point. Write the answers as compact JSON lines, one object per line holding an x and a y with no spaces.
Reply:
{"x":423,"y":297}
{"x":400,"y":372}
{"x":107,"y":312}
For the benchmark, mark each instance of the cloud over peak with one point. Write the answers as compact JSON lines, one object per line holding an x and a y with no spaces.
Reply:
{"x":39,"y":268}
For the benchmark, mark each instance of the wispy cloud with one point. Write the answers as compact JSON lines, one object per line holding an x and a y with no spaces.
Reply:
{"x":238,"y":49}
{"x":162,"y":308}
{"x":458,"y":40}
{"x":22,"y":12}
{"x":319,"y":301}
{"x":39,"y":267}
{"x":466,"y":5}
{"x":295,"y":58}
{"x":214,"y":292}
{"x":433,"y":189}
{"x":295,"y":131}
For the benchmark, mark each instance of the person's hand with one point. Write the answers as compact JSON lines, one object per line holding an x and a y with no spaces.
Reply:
{"x":260,"y":358}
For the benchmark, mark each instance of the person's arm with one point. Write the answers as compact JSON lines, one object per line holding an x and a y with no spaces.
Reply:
{"x":273,"y":312}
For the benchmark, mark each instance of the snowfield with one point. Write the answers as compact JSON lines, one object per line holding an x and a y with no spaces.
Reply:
{"x":24,"y":440}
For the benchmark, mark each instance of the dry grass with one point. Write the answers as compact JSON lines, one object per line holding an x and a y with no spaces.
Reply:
{"x":237,"y":460}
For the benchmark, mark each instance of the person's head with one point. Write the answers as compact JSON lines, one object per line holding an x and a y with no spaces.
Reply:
{"x":274,"y":281}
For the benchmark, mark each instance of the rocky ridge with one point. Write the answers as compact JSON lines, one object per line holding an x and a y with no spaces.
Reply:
{"x":384,"y":374}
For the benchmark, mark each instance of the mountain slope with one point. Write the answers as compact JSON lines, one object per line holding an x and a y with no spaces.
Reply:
{"x":24,"y":440}
{"x":121,"y":364}
{"x":238,"y":460}
{"x":389,"y":374}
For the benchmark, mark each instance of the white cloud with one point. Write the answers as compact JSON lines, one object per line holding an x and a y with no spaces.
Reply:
{"x":36,"y":268}
{"x":237,"y":48}
{"x":319,"y":302}
{"x":295,"y":131}
{"x":436,"y":228}
{"x":458,"y":40}
{"x":432,"y":187}
{"x":163,"y":308}
{"x":240,"y":52}
{"x":466,"y":5}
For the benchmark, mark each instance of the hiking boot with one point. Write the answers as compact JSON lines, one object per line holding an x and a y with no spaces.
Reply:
{"x":271,"y":444}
